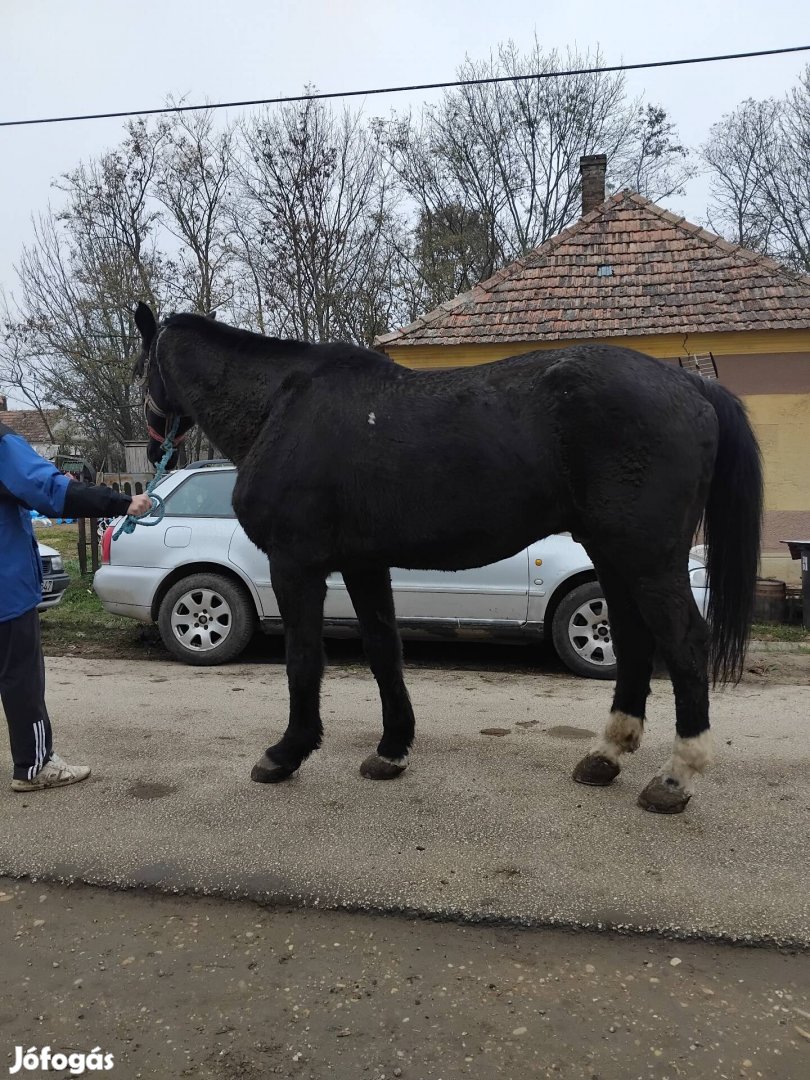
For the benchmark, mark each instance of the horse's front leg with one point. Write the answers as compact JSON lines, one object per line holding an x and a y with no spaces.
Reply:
{"x":370,"y":592}
{"x":300,"y":593}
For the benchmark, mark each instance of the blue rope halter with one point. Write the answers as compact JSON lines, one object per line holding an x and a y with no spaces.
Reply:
{"x":158,"y":507}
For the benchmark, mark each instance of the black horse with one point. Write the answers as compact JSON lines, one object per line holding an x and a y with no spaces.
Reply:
{"x":349,"y":462}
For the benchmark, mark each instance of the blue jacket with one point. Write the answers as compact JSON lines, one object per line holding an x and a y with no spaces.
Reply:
{"x":29,"y":482}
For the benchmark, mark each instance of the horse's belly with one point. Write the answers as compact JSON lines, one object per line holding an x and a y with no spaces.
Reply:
{"x":458,"y":535}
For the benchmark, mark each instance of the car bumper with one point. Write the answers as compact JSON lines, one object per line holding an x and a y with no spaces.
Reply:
{"x":128,"y":590}
{"x":129,"y":611}
{"x":51,"y":599}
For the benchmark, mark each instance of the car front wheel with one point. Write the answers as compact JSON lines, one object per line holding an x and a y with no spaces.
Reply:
{"x":581,"y":633}
{"x":206,"y":619}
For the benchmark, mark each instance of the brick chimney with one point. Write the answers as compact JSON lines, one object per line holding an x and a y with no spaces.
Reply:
{"x":3,"y":403}
{"x":592,"y":169}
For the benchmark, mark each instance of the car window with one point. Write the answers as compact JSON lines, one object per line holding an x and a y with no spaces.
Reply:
{"x":163,"y":480}
{"x":205,"y":494}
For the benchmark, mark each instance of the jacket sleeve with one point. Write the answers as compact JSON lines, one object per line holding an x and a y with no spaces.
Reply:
{"x":40,"y":486}
{"x":94,"y":500}
{"x":29,"y":478}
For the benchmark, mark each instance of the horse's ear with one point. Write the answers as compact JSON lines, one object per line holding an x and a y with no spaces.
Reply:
{"x":145,"y":321}
{"x":212,"y":315}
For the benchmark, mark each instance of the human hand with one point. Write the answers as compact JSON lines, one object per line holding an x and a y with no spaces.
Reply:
{"x":140,"y":505}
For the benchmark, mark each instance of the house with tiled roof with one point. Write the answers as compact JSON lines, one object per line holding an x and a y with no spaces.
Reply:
{"x":39,"y":427}
{"x":631,"y":272}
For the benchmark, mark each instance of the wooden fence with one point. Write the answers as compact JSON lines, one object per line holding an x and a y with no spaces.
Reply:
{"x":88,"y":538}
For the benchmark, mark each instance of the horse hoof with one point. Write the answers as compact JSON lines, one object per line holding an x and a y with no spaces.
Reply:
{"x":596,"y":771}
{"x":380,"y":768}
{"x":265,"y":771}
{"x":659,"y":797}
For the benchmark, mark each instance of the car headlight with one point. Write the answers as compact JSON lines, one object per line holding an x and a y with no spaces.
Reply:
{"x":57,"y":564}
{"x":698,"y":578}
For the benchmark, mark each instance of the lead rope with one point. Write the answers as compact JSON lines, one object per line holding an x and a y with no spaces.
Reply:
{"x":158,"y":507}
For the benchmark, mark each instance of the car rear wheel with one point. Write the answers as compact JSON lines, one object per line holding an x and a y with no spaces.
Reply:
{"x":581,"y":633}
{"x":206,"y":619}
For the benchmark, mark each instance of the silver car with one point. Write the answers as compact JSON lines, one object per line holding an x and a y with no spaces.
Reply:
{"x":207,"y":587}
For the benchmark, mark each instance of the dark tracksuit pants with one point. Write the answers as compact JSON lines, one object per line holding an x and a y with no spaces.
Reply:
{"x":22,"y":690}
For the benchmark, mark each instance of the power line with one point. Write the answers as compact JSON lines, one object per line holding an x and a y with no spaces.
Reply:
{"x":405,"y":89}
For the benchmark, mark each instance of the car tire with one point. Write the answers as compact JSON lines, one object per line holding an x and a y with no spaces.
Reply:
{"x":206,"y":619}
{"x":580,"y":631}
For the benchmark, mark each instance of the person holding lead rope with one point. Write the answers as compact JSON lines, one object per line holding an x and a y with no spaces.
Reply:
{"x":30,"y":482}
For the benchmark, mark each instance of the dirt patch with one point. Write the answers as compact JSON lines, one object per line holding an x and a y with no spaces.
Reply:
{"x":791,"y":665}
{"x":143,"y":790}
{"x":118,"y":646}
{"x":189,"y":987}
{"x":566,"y":731}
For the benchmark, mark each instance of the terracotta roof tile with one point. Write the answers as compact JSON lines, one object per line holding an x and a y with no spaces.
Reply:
{"x":669,"y":276}
{"x":31,"y":425}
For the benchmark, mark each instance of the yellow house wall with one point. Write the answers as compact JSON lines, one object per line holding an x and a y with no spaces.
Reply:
{"x":781,"y":421}
{"x":782,"y":424}
{"x":663,"y":346}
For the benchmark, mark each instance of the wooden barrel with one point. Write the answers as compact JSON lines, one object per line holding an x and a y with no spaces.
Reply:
{"x":770,"y":601}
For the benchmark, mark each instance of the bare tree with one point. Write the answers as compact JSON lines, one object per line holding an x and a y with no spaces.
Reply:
{"x":502,"y":159}
{"x":16,"y":376}
{"x":316,"y":209}
{"x":760,"y":184}
{"x":649,"y":159}
{"x":192,"y":182}
{"x":70,"y":336}
{"x":735,"y":153}
{"x":786,"y":179}
{"x":15,"y":369}
{"x":148,"y":220}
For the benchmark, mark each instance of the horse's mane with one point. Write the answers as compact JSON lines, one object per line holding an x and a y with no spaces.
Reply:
{"x":255,"y":345}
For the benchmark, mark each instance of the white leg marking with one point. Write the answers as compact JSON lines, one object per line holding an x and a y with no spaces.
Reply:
{"x":622,"y":735}
{"x":689,"y":757}
{"x":399,"y":761}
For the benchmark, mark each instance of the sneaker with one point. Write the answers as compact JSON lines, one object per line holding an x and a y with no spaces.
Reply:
{"x":54,"y":773}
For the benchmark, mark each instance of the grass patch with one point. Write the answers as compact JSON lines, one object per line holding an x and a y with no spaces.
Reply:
{"x":779,"y":632}
{"x":80,"y":618}
{"x":64,"y":538}
{"x":79,"y":623}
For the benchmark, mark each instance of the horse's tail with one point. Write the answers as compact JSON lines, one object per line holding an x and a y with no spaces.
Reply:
{"x":732,"y":521}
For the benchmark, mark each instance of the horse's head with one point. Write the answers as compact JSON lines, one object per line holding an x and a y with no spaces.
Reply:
{"x":160,"y":405}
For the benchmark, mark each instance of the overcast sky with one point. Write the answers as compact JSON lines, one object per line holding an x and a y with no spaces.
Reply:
{"x":82,"y":56}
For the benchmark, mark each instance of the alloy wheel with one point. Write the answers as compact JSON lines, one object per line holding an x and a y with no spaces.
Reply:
{"x":201,"y":620}
{"x":589,"y":633}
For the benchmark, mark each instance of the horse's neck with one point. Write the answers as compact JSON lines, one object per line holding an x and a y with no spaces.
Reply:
{"x":234,"y":430}
{"x":232,"y":404}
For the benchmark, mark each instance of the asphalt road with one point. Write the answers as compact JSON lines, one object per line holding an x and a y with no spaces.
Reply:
{"x":480,"y":828}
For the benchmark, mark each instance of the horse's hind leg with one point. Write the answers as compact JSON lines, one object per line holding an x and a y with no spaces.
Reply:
{"x":370,"y":592}
{"x":300,"y":594}
{"x":634,"y":646}
{"x":669,"y":608}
